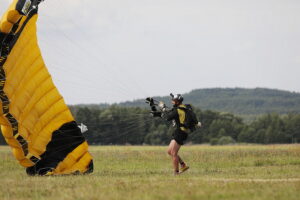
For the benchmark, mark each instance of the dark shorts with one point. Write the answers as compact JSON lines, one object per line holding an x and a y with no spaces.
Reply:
{"x":179,"y":136}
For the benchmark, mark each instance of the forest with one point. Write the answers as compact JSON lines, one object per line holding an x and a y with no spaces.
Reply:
{"x":232,"y":115}
{"x":134,"y":125}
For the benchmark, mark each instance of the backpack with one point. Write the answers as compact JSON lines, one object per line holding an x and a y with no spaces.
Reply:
{"x":191,"y":120}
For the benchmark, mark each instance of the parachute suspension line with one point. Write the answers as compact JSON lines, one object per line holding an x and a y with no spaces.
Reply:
{"x":4,"y":52}
{"x":131,"y":125}
{"x":128,"y":131}
{"x":92,"y":85}
{"x":122,"y":84}
{"x":112,"y":68}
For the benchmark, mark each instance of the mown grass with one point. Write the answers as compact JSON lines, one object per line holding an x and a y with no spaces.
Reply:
{"x":144,"y":172}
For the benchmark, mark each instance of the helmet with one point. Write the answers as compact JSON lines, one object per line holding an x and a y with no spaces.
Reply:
{"x":177,"y":97}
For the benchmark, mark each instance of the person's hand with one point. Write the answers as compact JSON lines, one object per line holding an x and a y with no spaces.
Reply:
{"x":162,"y":106}
{"x":199,"y":124}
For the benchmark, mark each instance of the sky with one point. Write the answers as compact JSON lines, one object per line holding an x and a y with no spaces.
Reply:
{"x":108,"y":51}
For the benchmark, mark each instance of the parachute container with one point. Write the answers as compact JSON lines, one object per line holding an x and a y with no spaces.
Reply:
{"x":35,"y":121}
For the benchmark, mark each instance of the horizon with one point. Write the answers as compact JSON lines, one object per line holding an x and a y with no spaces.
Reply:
{"x":185,"y":93}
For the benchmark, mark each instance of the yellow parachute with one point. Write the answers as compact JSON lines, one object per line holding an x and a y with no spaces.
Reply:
{"x":35,"y":121}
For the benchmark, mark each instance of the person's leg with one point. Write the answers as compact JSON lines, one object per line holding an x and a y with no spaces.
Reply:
{"x":173,"y":152}
{"x":181,"y":162}
{"x":183,"y":166}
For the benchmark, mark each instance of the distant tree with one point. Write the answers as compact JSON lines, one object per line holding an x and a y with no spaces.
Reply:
{"x":214,"y":141}
{"x":157,"y":136}
{"x":226,"y":140}
{"x":121,"y":125}
{"x":292,"y":127}
{"x":247,"y":135}
{"x":269,"y":129}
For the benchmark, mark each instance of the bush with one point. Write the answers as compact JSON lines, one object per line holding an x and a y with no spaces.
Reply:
{"x":226,"y":140}
{"x":213,"y":141}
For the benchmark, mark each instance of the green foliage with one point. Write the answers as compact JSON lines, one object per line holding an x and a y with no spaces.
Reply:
{"x":132,"y":125}
{"x":214,"y":141}
{"x":224,"y":140}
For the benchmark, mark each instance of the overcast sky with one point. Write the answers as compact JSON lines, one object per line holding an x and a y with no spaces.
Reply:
{"x":115,"y":50}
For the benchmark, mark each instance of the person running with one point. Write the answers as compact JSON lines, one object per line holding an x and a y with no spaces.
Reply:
{"x":178,"y":116}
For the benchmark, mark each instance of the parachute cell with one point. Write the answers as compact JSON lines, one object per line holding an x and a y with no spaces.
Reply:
{"x":35,"y":121}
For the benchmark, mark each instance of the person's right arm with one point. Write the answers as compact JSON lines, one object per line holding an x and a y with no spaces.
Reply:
{"x":170,"y":115}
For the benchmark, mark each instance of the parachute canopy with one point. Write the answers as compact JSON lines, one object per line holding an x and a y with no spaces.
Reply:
{"x":35,"y":121}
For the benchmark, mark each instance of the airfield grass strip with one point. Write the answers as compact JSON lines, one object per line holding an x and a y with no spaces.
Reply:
{"x":144,"y":173}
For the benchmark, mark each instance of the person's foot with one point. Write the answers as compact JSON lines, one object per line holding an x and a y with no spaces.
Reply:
{"x":176,"y":173}
{"x":184,"y":168}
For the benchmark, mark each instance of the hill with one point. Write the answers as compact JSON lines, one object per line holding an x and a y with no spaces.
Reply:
{"x":241,"y":101}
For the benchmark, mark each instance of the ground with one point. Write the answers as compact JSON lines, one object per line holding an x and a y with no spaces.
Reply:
{"x":145,"y":172}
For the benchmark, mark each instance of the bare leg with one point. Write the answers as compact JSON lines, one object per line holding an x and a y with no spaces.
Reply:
{"x":173,"y":152}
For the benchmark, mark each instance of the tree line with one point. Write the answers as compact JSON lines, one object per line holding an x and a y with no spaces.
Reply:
{"x":133,"y":125}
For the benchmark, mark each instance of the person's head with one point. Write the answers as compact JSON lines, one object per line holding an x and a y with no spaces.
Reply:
{"x":177,"y":99}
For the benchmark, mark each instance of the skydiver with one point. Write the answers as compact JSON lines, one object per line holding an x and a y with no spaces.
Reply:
{"x":177,"y":116}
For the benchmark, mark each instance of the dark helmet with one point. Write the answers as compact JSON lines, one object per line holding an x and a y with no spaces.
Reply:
{"x":177,"y":97}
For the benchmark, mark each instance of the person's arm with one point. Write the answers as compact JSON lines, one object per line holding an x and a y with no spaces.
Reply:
{"x":170,"y":115}
{"x":156,"y":113}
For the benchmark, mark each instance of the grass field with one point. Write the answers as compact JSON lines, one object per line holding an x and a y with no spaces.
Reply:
{"x":144,"y":172}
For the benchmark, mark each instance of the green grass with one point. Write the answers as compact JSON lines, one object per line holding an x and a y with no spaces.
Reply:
{"x":145,"y":172}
